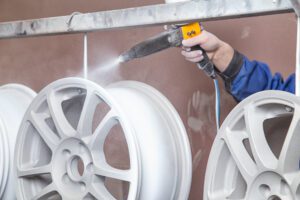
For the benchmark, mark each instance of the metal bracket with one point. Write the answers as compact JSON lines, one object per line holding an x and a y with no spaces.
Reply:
{"x":172,"y":13}
{"x":296,"y":6}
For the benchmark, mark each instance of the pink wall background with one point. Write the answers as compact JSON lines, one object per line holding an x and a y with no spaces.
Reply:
{"x":38,"y":61}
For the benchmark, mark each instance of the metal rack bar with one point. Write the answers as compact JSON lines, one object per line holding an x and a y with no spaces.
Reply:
{"x":144,"y":16}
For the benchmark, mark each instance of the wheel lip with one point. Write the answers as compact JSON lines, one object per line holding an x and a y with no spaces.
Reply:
{"x":218,"y":143}
{"x":182,"y":137}
{"x":20,"y":88}
{"x":75,"y":81}
{"x":4,"y":158}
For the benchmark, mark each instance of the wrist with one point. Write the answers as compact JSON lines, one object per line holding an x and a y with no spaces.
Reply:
{"x":223,"y":56}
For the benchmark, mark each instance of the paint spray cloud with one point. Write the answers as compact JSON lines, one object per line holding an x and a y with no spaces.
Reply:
{"x":106,"y":72}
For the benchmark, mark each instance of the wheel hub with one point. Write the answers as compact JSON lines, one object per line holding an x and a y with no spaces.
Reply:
{"x":72,"y":167}
{"x":271,"y":186}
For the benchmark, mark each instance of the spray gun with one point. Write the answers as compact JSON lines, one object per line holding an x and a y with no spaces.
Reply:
{"x":171,"y":38}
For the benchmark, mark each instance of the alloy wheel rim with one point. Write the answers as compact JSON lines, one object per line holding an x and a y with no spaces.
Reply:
{"x":251,"y":157}
{"x":14,"y":100}
{"x":64,"y":137}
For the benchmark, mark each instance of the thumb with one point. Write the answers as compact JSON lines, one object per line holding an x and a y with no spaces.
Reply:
{"x":197,"y":40}
{"x":191,"y":42}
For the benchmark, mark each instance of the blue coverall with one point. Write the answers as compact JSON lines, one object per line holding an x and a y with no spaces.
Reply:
{"x":244,"y":77}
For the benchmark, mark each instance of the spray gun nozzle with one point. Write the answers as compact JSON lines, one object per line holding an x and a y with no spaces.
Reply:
{"x":127,"y":56}
{"x":120,"y":59}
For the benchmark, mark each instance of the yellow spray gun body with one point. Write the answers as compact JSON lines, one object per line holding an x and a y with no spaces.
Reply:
{"x":190,"y":30}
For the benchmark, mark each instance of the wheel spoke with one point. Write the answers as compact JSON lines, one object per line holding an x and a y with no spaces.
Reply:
{"x":86,"y":118}
{"x":106,"y":170}
{"x":290,"y":152}
{"x":98,"y":137}
{"x":262,"y":153}
{"x":62,"y":125}
{"x":293,"y":179}
{"x":48,"y":136}
{"x":101,"y":193}
{"x":45,"y":193}
{"x":35,"y":171}
{"x":245,"y":164}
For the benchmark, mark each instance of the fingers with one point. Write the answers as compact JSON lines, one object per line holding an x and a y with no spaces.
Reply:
{"x":195,"y":60}
{"x":193,"y":56}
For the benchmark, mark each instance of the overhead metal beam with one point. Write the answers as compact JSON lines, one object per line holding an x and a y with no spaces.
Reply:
{"x":144,"y":16}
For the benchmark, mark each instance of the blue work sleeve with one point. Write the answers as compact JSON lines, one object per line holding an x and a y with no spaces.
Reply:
{"x":244,"y":77}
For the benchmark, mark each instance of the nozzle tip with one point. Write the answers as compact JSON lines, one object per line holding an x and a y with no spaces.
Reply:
{"x":127,"y":56}
{"x":120,"y":59}
{"x":124,"y":58}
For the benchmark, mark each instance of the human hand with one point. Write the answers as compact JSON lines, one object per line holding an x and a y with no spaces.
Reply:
{"x":219,"y":52}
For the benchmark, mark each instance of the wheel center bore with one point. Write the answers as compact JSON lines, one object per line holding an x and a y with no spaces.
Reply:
{"x":270,"y":186}
{"x":274,"y":197}
{"x":75,"y":168}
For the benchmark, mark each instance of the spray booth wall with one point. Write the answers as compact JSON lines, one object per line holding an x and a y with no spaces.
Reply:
{"x":38,"y":61}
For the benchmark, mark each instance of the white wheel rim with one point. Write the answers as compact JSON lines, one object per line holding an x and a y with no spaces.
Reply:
{"x":269,"y":173}
{"x":14,"y":100}
{"x":66,"y":148}
{"x":4,"y":159}
{"x":166,"y":171}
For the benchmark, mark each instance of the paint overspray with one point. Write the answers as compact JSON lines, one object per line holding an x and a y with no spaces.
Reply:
{"x":102,"y":73}
{"x":106,"y":72}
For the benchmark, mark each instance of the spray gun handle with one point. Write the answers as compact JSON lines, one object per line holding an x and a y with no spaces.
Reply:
{"x":206,"y":65}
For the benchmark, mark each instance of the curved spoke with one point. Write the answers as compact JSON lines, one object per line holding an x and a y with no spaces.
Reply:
{"x":38,"y":122}
{"x":98,"y":138}
{"x":85,"y":123}
{"x":106,"y":170}
{"x":101,"y":193}
{"x":62,"y":125}
{"x":294,"y":180}
{"x":263,"y":155}
{"x":290,"y":154}
{"x":245,"y":164}
{"x":45,"y":193}
{"x":34,"y":171}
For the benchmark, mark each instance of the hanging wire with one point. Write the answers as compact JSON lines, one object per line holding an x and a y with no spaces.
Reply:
{"x":85,"y":57}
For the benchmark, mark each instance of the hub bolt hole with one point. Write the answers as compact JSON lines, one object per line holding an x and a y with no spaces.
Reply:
{"x":66,"y":153}
{"x":265,"y":190}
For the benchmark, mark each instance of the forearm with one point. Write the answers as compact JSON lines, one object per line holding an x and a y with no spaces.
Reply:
{"x":243,"y":78}
{"x":223,"y":56}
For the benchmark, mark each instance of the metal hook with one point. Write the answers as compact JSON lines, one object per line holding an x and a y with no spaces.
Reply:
{"x":71,"y":18}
